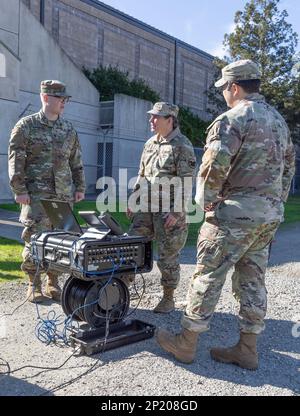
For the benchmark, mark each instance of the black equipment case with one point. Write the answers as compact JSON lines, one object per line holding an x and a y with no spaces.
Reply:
{"x":90,"y":258}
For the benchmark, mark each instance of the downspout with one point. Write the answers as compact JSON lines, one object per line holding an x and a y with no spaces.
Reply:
{"x":175,"y":72}
{"x":42,"y":12}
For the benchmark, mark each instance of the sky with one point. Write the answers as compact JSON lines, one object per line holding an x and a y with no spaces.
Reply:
{"x":201,"y":23}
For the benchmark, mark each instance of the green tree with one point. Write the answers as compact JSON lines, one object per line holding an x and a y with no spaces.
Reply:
{"x":192,"y":126}
{"x":263,"y":34}
{"x":111,"y":80}
{"x":216,"y":103}
{"x":292,"y":102}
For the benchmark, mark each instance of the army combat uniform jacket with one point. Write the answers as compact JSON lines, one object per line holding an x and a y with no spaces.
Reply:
{"x":165,"y":158}
{"x":44,"y":160}
{"x":248,"y":164}
{"x":45,"y":157}
{"x":243,"y":180}
{"x":170,"y":157}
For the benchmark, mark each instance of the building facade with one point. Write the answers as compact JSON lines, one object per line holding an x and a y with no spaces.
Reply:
{"x":28,"y":54}
{"x":93,"y":34}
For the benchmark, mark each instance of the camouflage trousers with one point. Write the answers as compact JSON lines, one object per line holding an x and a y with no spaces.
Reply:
{"x":169,"y":242}
{"x":28,"y":266}
{"x":35,"y":221}
{"x":221,"y":246}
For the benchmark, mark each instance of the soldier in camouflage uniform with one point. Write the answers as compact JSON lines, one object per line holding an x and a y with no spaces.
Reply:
{"x":243,"y":181}
{"x":167,"y":155}
{"x":44,"y":162}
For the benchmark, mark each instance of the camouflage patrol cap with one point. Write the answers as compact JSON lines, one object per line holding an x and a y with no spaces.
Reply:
{"x":164,"y":109}
{"x":243,"y":70}
{"x":54,"y":87}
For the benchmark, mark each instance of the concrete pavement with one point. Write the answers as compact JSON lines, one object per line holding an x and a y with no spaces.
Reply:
{"x":285,"y":246}
{"x":10,"y":227}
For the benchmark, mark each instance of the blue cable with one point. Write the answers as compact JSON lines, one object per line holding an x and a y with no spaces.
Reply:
{"x":47,"y":329}
{"x":69,"y":320}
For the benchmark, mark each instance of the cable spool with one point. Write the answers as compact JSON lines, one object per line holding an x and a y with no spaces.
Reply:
{"x":96,"y":302}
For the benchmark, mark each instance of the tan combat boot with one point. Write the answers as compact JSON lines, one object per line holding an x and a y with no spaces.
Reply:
{"x":52,"y":288}
{"x":243,"y":354}
{"x":183,"y":346}
{"x":34,"y":292}
{"x":167,"y":303}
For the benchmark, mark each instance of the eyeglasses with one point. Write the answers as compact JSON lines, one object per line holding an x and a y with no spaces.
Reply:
{"x":227,"y":86}
{"x":224,"y":87}
{"x":62,"y":99}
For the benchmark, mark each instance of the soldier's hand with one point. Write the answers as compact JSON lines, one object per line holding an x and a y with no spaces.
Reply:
{"x":23,"y":199}
{"x":171,"y":220}
{"x":129,"y":214}
{"x":78,"y":196}
{"x":210,"y":207}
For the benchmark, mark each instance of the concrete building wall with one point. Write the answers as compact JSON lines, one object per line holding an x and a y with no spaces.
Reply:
{"x":36,"y":46}
{"x":9,"y":74}
{"x":130,"y":117}
{"x":33,"y":55}
{"x":194,"y":77}
{"x":9,"y":24}
{"x":131,"y":131}
{"x":9,"y":82}
{"x":8,"y":111}
{"x":94,"y":34}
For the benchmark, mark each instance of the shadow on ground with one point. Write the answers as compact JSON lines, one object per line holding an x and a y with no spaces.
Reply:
{"x":277,"y":350}
{"x":276,"y":367}
{"x":16,"y":387}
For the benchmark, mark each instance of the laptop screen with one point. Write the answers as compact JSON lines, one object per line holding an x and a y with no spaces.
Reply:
{"x":61,"y":215}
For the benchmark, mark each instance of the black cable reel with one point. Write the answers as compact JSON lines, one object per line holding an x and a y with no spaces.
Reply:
{"x":96,"y":260}
{"x":96,"y":302}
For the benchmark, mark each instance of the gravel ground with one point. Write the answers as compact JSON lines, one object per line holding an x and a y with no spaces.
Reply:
{"x":143,"y":369}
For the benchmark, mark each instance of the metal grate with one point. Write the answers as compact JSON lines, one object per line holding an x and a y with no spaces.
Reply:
{"x":198,"y":153}
{"x":105,"y":160}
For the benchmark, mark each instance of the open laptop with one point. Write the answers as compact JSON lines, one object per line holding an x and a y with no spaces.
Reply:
{"x":102,"y":222}
{"x":61,"y":215}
